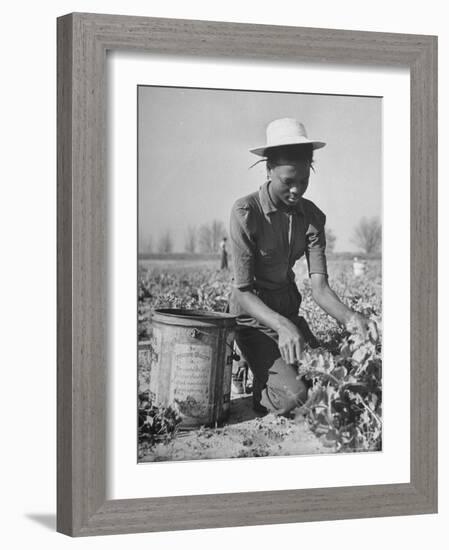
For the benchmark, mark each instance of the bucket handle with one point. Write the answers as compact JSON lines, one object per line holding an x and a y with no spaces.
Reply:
{"x":235,"y":356}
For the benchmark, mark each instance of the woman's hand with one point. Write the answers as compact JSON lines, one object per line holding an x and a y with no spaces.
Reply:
{"x":291,"y":341}
{"x":360,"y":324}
{"x":353,"y":321}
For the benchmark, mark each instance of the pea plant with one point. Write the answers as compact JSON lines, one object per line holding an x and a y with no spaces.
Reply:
{"x":344,"y":373}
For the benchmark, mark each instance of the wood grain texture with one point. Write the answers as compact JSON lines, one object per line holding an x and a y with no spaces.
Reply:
{"x":64,"y":278}
{"x":83,"y":40}
{"x":423,"y":274}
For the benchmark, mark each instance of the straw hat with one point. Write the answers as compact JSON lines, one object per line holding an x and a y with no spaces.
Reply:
{"x":286,"y":131}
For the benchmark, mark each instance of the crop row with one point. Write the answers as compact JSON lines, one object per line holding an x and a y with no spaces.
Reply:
{"x":344,"y":405}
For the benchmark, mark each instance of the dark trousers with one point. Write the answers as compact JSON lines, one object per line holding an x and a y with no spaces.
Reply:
{"x":276,"y":384}
{"x":224,"y":260}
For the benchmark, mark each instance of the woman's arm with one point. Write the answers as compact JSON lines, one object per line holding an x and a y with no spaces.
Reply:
{"x":326,"y":298}
{"x":291,"y":341}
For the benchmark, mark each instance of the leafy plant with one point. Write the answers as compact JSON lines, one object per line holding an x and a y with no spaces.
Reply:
{"x":156,"y":424}
{"x":344,"y":405}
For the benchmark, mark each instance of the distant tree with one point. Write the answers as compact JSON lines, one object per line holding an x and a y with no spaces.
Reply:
{"x":368,"y":235}
{"x":205,"y":239}
{"x":148,"y":245}
{"x":210,"y":235}
{"x":190,"y":240}
{"x":165,"y":245}
{"x":330,"y":240}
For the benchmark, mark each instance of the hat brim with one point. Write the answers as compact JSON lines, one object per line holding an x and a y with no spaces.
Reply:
{"x":260,"y":151}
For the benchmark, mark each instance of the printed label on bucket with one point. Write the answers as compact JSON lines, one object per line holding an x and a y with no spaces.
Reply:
{"x":156,"y":345}
{"x":190,"y":380}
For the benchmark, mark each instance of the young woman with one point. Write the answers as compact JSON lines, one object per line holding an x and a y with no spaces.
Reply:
{"x":270,"y":230}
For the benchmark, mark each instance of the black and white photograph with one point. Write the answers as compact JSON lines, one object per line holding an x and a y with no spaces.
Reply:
{"x":221,"y":254}
{"x":259,"y":274}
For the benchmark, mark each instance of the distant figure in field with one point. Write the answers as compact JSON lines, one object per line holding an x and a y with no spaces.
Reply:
{"x":358,"y":267}
{"x":224,"y":254}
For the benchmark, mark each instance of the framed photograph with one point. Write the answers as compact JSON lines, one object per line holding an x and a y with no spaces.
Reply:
{"x":190,"y":260}
{"x":205,"y":171}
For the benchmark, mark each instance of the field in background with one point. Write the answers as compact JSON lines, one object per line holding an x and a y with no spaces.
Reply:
{"x":178,"y":262}
{"x":344,"y":407}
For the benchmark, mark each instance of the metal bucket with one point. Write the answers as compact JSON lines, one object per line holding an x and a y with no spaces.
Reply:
{"x":192,"y":353}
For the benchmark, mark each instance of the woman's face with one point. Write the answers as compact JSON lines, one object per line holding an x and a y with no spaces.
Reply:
{"x":289,"y":181}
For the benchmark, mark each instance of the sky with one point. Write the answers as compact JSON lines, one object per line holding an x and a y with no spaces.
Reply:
{"x":194,"y":159}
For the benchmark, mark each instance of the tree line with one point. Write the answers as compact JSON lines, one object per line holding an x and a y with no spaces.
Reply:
{"x":367,"y":236}
{"x":205,"y":239}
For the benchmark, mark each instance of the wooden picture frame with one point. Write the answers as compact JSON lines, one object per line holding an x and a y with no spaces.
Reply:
{"x":83,"y":40}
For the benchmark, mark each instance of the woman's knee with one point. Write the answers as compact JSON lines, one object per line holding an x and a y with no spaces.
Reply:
{"x":284,"y":390}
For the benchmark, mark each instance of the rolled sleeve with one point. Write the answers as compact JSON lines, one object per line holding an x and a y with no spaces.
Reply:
{"x":316,"y":243}
{"x":242,"y":246}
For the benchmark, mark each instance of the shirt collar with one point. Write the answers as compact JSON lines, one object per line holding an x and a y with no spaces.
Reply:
{"x":268,"y":205}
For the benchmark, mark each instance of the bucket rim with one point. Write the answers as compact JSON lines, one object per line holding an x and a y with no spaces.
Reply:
{"x":194,"y":314}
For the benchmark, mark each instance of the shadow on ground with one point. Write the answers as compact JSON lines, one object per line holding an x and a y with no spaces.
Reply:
{"x":47,"y":520}
{"x":241,"y":410}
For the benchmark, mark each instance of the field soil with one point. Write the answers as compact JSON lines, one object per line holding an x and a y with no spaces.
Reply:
{"x":344,"y":403}
{"x":243,"y":435}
